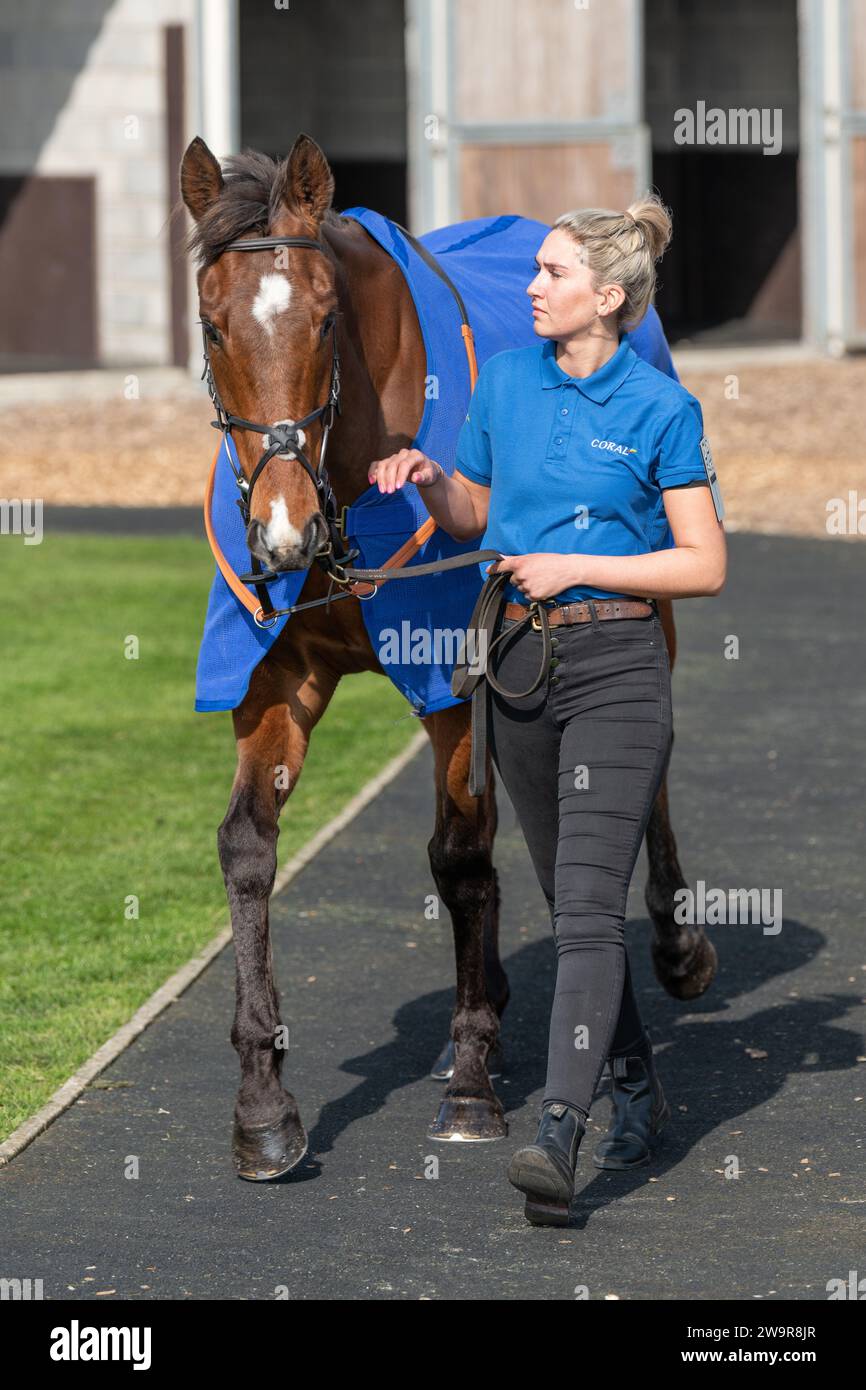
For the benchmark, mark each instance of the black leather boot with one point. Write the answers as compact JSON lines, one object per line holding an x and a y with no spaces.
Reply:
{"x":545,"y":1170}
{"x":640,"y":1110}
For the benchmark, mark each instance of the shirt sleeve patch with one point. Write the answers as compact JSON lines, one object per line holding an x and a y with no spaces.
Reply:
{"x":682,"y":452}
{"x":709,"y":467}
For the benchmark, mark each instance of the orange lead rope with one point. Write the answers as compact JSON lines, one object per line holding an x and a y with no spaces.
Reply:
{"x":240,"y":591}
{"x":409,"y":547}
{"x":469,"y":344}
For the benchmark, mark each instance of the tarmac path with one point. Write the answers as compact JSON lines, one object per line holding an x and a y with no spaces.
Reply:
{"x":767,"y":1068}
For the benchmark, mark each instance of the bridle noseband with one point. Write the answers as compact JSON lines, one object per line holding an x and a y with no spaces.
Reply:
{"x":283,"y":438}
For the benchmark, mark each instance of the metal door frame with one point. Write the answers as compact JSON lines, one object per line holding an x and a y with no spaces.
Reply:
{"x":828,"y":124}
{"x":434,"y":195}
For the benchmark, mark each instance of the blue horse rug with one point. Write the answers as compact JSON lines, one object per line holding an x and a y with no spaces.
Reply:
{"x":490,"y":260}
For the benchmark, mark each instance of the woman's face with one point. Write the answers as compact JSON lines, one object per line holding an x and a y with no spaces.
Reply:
{"x":564,"y":302}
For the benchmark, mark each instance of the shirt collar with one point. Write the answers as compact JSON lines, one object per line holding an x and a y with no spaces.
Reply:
{"x":598,"y":386}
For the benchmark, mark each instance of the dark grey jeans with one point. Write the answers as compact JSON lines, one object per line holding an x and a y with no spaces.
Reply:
{"x":582,"y":760}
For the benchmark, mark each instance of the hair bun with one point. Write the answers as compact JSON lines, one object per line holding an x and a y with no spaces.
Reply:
{"x":653,"y":219}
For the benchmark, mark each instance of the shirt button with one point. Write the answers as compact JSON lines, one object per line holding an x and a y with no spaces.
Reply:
{"x":563,"y":411}
{"x":559,"y":441}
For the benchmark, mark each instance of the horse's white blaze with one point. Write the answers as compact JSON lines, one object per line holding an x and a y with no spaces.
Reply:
{"x":272,"y":299}
{"x":280,"y":534}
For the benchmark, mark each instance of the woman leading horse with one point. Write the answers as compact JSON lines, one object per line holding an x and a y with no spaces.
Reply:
{"x":272,"y":313}
{"x":588,"y":470}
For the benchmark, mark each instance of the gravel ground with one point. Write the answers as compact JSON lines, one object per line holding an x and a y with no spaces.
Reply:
{"x":784,"y":445}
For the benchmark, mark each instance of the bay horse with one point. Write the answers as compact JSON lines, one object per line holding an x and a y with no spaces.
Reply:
{"x":270,"y":360}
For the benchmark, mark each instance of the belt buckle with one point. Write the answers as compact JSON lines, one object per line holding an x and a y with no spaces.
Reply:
{"x":535,"y":621}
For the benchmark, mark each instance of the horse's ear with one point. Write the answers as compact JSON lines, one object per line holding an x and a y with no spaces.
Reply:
{"x":201,"y":179}
{"x":306,"y":183}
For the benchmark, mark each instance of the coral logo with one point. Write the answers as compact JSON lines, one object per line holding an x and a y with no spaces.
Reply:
{"x":612,"y":447}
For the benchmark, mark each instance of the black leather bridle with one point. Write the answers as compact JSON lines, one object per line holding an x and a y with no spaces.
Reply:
{"x":334,"y":557}
{"x":285,"y":438}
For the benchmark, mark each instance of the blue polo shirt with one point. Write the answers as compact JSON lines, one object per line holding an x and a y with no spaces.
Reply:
{"x":576,"y":465}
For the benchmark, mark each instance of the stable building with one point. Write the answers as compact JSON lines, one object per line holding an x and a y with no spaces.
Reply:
{"x":749,"y":120}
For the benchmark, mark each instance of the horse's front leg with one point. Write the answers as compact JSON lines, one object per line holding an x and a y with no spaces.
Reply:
{"x":460,"y":851}
{"x":272,"y":729}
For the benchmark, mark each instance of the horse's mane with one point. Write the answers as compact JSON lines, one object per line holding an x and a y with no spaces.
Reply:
{"x":252,"y":194}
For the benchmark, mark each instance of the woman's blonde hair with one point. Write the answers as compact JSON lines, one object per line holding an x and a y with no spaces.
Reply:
{"x":622,"y":248}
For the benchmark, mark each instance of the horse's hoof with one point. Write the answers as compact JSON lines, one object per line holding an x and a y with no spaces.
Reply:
{"x":686,"y":976}
{"x":462,"y":1120}
{"x":443,"y":1067}
{"x":264,"y":1152}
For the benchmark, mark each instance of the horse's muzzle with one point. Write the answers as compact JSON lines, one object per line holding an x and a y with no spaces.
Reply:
{"x":279,"y":555}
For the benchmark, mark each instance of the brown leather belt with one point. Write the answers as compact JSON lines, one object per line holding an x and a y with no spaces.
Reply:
{"x":568,"y":613}
{"x":474,"y":678}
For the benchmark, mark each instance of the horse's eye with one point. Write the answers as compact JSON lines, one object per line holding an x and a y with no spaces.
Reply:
{"x":211,"y":333}
{"x":328,"y":325}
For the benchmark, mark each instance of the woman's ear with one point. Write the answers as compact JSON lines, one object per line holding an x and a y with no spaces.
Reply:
{"x":610,"y":299}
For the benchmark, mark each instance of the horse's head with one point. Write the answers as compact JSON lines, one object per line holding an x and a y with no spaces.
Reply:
{"x":269,"y":320}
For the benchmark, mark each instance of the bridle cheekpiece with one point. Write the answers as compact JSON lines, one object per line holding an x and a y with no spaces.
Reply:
{"x":284,"y":438}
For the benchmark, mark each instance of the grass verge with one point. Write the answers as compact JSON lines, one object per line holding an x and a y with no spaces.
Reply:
{"x":111,"y":786}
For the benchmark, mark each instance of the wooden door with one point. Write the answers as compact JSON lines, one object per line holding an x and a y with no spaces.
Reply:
{"x":528,"y":108}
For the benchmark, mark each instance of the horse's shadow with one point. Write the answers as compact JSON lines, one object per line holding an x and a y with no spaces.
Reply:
{"x":710,"y":1077}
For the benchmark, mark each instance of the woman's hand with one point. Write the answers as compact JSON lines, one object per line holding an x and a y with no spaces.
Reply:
{"x":540,"y":576}
{"x":408,"y":466}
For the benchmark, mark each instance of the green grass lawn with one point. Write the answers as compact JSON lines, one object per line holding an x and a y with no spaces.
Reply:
{"x":111,"y":785}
